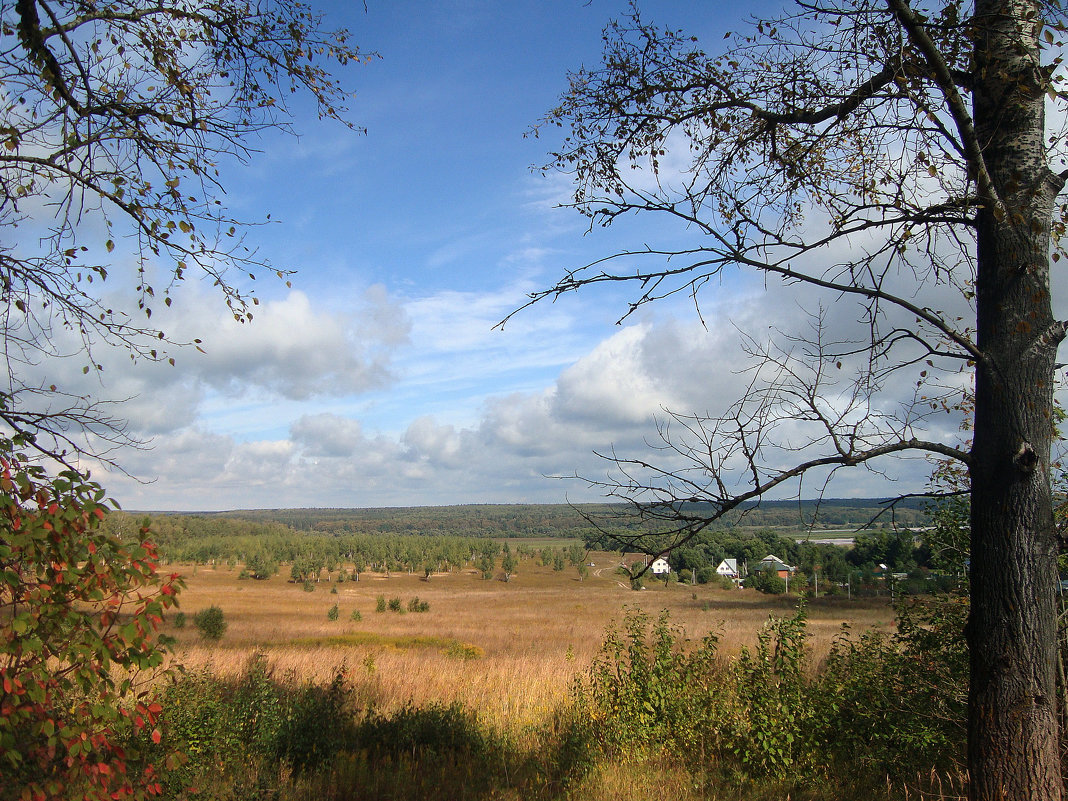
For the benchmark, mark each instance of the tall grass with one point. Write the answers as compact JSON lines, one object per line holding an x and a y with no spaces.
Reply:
{"x":515,"y":647}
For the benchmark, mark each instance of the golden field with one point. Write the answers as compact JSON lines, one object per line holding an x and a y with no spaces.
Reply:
{"x":509,"y":650}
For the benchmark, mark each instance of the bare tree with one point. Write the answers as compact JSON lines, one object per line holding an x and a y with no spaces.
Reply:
{"x":913,"y":138}
{"x":116,"y":117}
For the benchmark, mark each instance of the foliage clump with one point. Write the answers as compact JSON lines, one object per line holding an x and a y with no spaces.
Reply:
{"x":880,"y":708}
{"x":81,"y":611}
{"x":210,"y":622}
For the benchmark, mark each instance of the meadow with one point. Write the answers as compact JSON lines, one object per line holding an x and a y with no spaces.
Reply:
{"x":508,"y":649}
{"x":491,"y":660}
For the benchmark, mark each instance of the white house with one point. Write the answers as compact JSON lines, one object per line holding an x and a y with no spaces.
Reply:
{"x":660,"y":566}
{"x":728,"y":568}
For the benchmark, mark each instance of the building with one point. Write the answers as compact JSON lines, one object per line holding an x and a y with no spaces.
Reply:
{"x":729,"y":568}
{"x":660,"y":566}
{"x":775,"y":565}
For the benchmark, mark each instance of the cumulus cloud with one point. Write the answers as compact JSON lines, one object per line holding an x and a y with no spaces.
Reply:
{"x":297,"y":351}
{"x":327,"y":435}
{"x":607,"y":399}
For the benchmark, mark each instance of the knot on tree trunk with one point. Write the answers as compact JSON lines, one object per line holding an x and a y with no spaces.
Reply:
{"x":1025,"y":459}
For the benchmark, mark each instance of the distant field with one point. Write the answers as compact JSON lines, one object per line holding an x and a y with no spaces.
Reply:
{"x":509,"y":650}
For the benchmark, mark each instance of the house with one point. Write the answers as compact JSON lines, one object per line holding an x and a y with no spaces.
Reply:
{"x":728,"y":568}
{"x":775,"y":565}
{"x":660,"y":566}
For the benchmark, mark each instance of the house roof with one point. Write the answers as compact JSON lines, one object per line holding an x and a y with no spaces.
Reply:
{"x":771,"y":560}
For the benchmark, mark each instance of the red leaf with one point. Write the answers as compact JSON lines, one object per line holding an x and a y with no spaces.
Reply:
{"x":156,"y":736}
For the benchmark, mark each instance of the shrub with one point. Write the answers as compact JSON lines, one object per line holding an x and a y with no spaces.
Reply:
{"x":308,"y":586}
{"x":415,"y":605}
{"x":179,"y":620}
{"x":210,"y":623}
{"x":395,"y":605}
{"x":356,"y":617}
{"x":777,"y":736}
{"x":646,"y":690}
{"x":765,"y":581}
{"x":332,"y":613}
{"x":706,"y":574}
{"x":239,"y":733}
{"x":380,"y":604}
{"x":65,"y":579}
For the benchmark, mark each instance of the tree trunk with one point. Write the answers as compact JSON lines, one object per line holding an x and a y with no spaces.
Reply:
{"x":1013,"y":748}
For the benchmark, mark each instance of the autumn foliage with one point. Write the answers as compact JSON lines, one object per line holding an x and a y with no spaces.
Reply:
{"x":80,"y":611}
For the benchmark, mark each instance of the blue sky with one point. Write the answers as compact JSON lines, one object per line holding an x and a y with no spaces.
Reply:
{"x":378,"y":379}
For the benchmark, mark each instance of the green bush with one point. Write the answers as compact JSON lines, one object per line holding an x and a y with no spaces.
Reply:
{"x":332,"y":613}
{"x":395,"y":605}
{"x":210,"y":623}
{"x":645,"y":688}
{"x":706,"y":574}
{"x":380,"y":604}
{"x":356,"y":617}
{"x":881,"y":708}
{"x":765,"y":581}
{"x":415,"y":605}
{"x":779,"y":732}
{"x":237,"y":734}
{"x":179,"y":620}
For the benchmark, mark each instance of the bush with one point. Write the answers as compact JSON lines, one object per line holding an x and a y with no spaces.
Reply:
{"x":395,"y":605}
{"x":380,"y":604}
{"x":210,"y":623}
{"x":766,"y":581}
{"x":706,"y":574}
{"x":415,"y":605}
{"x":645,"y":689}
{"x":65,"y":579}
{"x":332,"y":613}
{"x":356,"y":617}
{"x":239,"y":733}
{"x":179,"y":620}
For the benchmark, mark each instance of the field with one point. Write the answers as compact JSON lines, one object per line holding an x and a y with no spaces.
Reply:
{"x":509,"y":650}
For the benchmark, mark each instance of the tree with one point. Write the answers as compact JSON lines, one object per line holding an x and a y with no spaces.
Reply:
{"x":81,"y":611}
{"x":261,"y":564}
{"x":117,"y":118}
{"x":508,"y":563}
{"x":912,"y":139}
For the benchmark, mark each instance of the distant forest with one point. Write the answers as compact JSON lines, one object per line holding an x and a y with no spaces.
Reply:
{"x":571,"y":521}
{"x":443,"y":538}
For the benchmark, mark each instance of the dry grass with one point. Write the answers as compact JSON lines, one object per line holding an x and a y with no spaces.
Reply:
{"x":529,"y":636}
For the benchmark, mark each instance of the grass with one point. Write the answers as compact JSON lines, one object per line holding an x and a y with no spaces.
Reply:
{"x":507,"y":649}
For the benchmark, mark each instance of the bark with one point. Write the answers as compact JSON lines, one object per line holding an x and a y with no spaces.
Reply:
{"x":1012,"y":728}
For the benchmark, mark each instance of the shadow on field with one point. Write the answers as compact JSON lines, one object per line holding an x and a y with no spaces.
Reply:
{"x":263,"y":737}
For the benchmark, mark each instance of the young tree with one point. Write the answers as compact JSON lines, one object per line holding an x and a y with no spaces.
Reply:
{"x":508,"y":563}
{"x":116,"y":118}
{"x":912,"y":139}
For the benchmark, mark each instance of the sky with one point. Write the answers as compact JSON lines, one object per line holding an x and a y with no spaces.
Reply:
{"x":380,"y":377}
